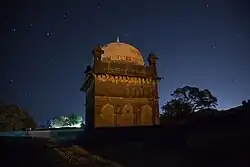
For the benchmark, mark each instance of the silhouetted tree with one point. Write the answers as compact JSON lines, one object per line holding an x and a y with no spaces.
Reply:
{"x":29,"y":122}
{"x":246,"y":104}
{"x":176,"y":108}
{"x":12,"y":117}
{"x":187,"y":100}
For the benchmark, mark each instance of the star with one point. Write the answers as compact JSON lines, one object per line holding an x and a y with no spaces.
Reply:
{"x":206,"y":5}
{"x":214,"y":46}
{"x":14,"y":29}
{"x":48,"y":34}
{"x":30,"y":25}
{"x":65,"y":15}
{"x":10,"y":81}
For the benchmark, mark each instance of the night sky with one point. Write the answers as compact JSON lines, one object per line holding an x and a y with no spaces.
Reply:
{"x":46,"y":45}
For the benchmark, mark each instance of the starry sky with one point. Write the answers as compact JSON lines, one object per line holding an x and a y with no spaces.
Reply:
{"x":46,"y":45}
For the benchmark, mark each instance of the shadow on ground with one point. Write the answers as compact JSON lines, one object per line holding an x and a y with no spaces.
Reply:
{"x":170,"y":150}
{"x":19,"y":151}
{"x":140,"y":147}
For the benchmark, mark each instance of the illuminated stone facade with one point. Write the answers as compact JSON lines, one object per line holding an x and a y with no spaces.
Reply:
{"x":121,"y":90}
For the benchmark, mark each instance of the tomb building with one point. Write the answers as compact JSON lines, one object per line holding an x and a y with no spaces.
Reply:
{"x":121,"y":90}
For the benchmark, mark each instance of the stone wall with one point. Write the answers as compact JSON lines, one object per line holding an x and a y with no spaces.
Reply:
{"x":121,"y":112}
{"x":124,"y":101}
{"x":124,"y":95}
{"x":123,"y":69}
{"x":119,"y":88}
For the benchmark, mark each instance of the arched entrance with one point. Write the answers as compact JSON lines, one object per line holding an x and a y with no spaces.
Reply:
{"x":146,"y":115}
{"x":126,"y":117}
{"x":107,"y":114}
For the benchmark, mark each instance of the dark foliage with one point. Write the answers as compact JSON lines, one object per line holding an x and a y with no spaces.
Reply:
{"x":12,"y":117}
{"x":187,"y":100}
{"x":212,"y":136}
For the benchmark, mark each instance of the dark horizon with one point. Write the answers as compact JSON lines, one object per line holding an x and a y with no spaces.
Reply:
{"x":47,"y":45}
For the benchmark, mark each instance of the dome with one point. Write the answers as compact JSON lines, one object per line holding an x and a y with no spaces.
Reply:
{"x":122,"y":52}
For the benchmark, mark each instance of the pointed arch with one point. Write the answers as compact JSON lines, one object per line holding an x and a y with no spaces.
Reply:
{"x":127,"y":109}
{"x":107,"y":113}
{"x":146,"y":115}
{"x":126,"y":118}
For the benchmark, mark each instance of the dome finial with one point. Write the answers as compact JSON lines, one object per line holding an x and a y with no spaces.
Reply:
{"x":117,"y":39}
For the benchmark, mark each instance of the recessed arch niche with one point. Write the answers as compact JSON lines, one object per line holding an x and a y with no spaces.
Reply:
{"x":146,"y":115}
{"x":107,"y":113}
{"x":126,"y":118}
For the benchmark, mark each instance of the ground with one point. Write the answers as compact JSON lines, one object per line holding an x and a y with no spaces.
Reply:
{"x":17,"y":151}
{"x":39,"y":153}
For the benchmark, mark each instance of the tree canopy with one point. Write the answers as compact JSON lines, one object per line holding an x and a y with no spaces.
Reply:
{"x":12,"y":117}
{"x":64,"y":121}
{"x":187,"y":100}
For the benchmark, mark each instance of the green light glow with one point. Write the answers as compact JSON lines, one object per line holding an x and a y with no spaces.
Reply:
{"x":72,"y":121}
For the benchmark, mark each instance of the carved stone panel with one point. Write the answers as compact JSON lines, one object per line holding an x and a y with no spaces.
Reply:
{"x":108,"y":88}
{"x":98,"y":109}
{"x":137,"y":118}
{"x":127,"y":92}
{"x":146,"y":115}
{"x":137,"y":91}
{"x":126,"y":117}
{"x":132,"y":92}
{"x":107,"y":115}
